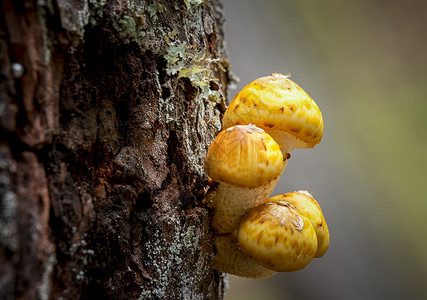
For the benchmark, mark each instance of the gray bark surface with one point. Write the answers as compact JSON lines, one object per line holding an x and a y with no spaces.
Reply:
{"x":103,"y":139}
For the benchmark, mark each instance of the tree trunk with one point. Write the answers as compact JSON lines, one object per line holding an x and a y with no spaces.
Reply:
{"x":103,"y":139}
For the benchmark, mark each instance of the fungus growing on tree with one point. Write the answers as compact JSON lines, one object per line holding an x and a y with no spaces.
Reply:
{"x":256,"y":236}
{"x":247,"y":163}
{"x":277,"y":236}
{"x":280,"y":107}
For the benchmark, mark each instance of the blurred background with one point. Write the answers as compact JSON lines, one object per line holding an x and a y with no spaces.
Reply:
{"x":365,"y":65}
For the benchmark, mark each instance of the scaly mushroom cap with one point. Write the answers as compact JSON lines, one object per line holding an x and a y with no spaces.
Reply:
{"x":229,"y":259}
{"x":277,"y":236}
{"x":244,"y":156}
{"x":279,"y":106}
{"x":307,"y":205}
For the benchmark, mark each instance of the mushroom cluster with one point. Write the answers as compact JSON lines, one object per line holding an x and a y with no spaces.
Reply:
{"x":257,"y":236}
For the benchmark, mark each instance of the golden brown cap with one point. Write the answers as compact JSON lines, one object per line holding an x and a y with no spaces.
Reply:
{"x":307,"y":205}
{"x":244,"y":156}
{"x":275,"y":103}
{"x":277,"y":236}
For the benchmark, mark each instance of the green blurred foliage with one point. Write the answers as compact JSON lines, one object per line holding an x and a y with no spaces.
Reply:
{"x":378,"y":51}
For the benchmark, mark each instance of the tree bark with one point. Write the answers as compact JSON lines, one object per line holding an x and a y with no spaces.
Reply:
{"x":103,"y":139}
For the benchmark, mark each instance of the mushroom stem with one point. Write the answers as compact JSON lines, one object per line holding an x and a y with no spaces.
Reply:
{"x":232,"y":202}
{"x":286,"y":141}
{"x":229,"y":259}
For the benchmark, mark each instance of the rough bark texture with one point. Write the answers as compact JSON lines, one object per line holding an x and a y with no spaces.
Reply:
{"x":102,"y":144}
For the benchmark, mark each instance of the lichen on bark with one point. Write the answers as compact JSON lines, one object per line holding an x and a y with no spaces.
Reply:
{"x":104,"y":139}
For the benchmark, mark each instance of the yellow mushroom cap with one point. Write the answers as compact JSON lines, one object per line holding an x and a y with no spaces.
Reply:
{"x":275,"y":103}
{"x":277,"y":236}
{"x":244,"y":156}
{"x":307,"y":205}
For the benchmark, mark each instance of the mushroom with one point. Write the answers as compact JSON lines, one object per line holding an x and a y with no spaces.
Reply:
{"x":247,"y":163}
{"x":280,"y":107}
{"x":277,"y":236}
{"x":229,"y":259}
{"x":306,"y":204}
